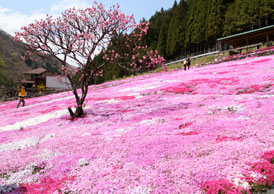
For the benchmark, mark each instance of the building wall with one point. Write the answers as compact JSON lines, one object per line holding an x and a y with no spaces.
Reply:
{"x":28,"y":77}
{"x":45,"y":74}
{"x":52,"y":82}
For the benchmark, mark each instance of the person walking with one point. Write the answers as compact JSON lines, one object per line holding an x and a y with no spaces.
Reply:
{"x":22,"y":94}
{"x":188,"y":63}
{"x":185,"y":64}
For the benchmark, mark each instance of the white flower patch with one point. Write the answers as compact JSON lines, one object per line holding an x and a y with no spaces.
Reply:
{"x":83,"y":162}
{"x":137,"y":95}
{"x":240,"y":182}
{"x":24,"y":143}
{"x":237,"y":179}
{"x":141,"y":87}
{"x":210,"y":113}
{"x":35,"y":120}
{"x":266,"y":96}
{"x":14,"y":179}
{"x":86,"y":134}
{"x":256,"y":175}
{"x":239,"y":98}
{"x":138,"y":190}
{"x":18,"y":145}
{"x":47,"y":137}
{"x":112,"y":101}
{"x":232,"y":108}
{"x":47,"y":155}
{"x":51,"y":101}
{"x":242,"y":117}
{"x":19,"y":177}
{"x":109,"y":135}
{"x":212,"y":107}
{"x":5,"y":188}
{"x":150,"y":122}
{"x":172,"y":81}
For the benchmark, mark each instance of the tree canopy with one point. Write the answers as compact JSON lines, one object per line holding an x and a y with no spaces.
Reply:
{"x":195,"y":25}
{"x":79,"y":34}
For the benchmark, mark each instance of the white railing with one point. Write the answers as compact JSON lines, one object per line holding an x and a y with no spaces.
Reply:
{"x":194,"y":57}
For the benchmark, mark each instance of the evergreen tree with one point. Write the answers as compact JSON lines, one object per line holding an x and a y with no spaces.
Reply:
{"x":266,"y":12}
{"x":246,"y":14}
{"x":4,"y":79}
{"x":163,"y":35}
{"x":196,"y":25}
{"x":215,"y":19}
{"x":190,"y":25}
{"x":176,"y":33}
{"x":199,"y":27}
{"x":161,"y":46}
{"x":156,"y":22}
{"x":230,"y":20}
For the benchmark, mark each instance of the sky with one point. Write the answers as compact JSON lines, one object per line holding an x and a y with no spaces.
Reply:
{"x":15,"y":14}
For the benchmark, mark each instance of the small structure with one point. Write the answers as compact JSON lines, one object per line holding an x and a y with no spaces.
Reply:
{"x":36,"y":77}
{"x":53,"y":83}
{"x":250,"y":39}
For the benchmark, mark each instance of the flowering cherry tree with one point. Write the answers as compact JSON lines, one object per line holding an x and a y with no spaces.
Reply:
{"x":79,"y":34}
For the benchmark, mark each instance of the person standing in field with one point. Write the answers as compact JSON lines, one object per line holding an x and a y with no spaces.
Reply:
{"x":188,"y":63}
{"x":22,"y":94}
{"x":185,"y":64}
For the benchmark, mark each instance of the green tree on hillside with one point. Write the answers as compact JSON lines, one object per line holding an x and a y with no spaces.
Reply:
{"x":230,"y":20}
{"x":214,"y":24}
{"x":176,"y":33}
{"x":241,"y":16}
{"x":247,"y":14}
{"x":196,"y":25}
{"x":266,"y":12}
{"x":162,"y":39}
{"x":4,"y":79}
{"x":156,"y":22}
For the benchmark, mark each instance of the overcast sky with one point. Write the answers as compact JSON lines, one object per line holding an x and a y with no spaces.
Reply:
{"x":17,"y":13}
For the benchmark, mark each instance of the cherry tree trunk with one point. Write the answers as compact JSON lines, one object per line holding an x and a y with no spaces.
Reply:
{"x":78,"y":112}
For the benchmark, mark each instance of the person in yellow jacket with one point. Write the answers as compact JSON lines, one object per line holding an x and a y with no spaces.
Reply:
{"x":22,"y":94}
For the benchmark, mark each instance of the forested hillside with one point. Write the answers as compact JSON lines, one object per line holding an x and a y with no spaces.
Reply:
{"x":12,"y":65}
{"x":193,"y":26}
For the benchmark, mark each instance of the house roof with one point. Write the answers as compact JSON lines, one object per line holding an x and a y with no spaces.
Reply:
{"x":36,"y":71}
{"x":248,"y":32}
{"x":27,"y":82}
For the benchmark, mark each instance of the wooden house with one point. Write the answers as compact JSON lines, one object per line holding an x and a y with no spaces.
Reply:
{"x":36,"y":77}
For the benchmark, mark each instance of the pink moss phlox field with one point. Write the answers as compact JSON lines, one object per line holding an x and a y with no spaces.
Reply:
{"x":206,"y":130}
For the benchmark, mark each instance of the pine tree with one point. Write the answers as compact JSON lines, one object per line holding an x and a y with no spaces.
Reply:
{"x":230,"y":20}
{"x":171,"y":32}
{"x":266,"y":12}
{"x":177,"y":30}
{"x":196,"y":28}
{"x":189,"y":25}
{"x":215,"y":20}
{"x":246,"y":14}
{"x":156,"y":22}
{"x":161,"y":46}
